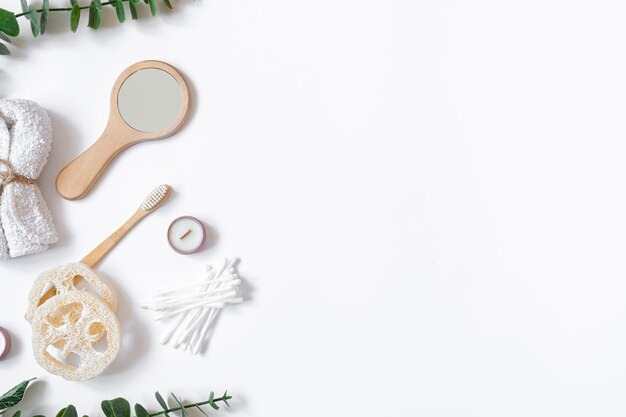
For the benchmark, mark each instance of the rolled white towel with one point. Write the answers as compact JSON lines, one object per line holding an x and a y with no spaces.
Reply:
{"x":26,"y":225}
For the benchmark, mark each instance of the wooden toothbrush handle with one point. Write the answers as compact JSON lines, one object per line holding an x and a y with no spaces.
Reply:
{"x":102,"y":249}
{"x":96,"y":255}
{"x":79,"y":176}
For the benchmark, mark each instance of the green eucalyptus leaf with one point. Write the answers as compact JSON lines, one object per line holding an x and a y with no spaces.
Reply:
{"x":60,"y":413}
{"x":74,"y":17}
{"x":161,"y":402}
{"x":34,"y":22}
{"x":119,"y":407}
{"x":168,"y":4}
{"x":15,"y":394}
{"x":8,"y":23}
{"x":5,"y":38}
{"x":135,"y":1}
{"x":153,"y":7}
{"x":183,"y":412}
{"x":69,"y":411}
{"x":140,"y":411}
{"x":24,"y":5}
{"x":39,"y":415}
{"x":43,"y":23}
{"x":4,"y":50}
{"x":97,"y":3}
{"x":45,"y":9}
{"x":225,"y":398}
{"x":199,"y":409}
{"x":73,"y":2}
{"x":119,"y":9}
{"x":133,"y":10}
{"x":18,"y":413}
{"x":95,"y":15}
{"x":211,"y":401}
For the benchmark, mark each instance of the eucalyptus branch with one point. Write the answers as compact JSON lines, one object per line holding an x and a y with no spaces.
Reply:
{"x":118,"y":407}
{"x":224,"y":398}
{"x":68,"y":9}
{"x":38,"y":16}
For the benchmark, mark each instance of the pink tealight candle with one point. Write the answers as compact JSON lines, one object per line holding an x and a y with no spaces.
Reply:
{"x":186,"y":235}
{"x":5,"y":343}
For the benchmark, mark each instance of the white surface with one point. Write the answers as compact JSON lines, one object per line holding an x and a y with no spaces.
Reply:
{"x":428,"y":199}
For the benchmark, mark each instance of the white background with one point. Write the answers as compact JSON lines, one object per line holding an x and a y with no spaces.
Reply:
{"x":428,"y":198}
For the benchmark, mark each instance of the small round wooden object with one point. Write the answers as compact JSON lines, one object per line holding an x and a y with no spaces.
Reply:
{"x":78,"y":177}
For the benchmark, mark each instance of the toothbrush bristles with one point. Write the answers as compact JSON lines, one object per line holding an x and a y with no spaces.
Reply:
{"x":156,"y":197}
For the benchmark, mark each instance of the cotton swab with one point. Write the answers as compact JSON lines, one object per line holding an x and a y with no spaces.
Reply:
{"x":195,"y":305}
{"x":187,"y":336}
{"x":218,"y":302}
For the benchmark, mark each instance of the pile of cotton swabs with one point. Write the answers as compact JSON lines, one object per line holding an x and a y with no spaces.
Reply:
{"x":196,"y":305}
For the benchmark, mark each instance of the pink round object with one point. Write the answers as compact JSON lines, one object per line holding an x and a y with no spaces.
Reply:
{"x":5,"y":343}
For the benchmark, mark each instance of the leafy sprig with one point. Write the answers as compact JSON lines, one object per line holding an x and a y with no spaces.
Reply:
{"x":119,"y":407}
{"x":13,"y":396}
{"x":38,"y":17}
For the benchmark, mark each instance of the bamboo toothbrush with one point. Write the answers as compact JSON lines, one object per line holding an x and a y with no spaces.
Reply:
{"x":154,"y":200}
{"x":149,"y":205}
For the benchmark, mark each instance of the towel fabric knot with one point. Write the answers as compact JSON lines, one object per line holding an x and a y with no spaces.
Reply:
{"x":8,"y":175}
{"x":26,"y":225}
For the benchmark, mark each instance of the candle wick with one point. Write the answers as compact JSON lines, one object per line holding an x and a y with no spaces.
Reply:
{"x":186,"y":234}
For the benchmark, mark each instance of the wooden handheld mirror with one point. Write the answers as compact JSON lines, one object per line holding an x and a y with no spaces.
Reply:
{"x":149,"y":101}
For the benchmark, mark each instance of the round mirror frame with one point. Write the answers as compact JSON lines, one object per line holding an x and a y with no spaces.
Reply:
{"x":184,"y":109}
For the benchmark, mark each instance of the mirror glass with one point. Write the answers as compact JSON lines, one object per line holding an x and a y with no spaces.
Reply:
{"x":150,"y":100}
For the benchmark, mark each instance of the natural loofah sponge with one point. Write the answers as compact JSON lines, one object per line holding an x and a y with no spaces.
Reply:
{"x":63,"y":279}
{"x":73,"y":320}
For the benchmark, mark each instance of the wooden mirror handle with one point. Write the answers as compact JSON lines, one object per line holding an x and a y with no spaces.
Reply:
{"x":77,"y":178}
